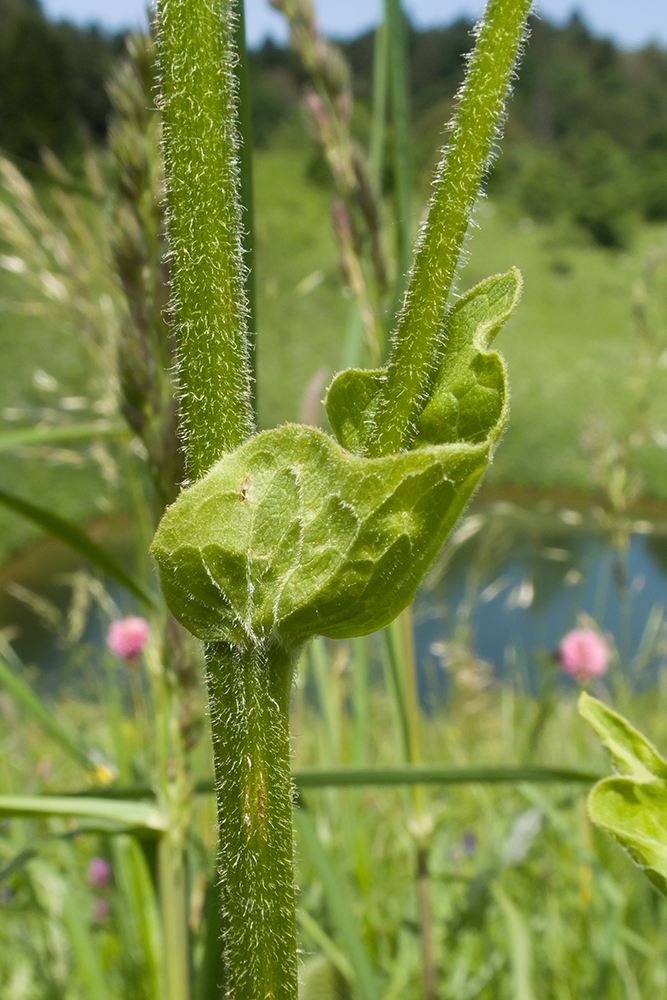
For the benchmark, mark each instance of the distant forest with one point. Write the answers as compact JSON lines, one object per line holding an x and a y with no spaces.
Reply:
{"x":586,"y":136}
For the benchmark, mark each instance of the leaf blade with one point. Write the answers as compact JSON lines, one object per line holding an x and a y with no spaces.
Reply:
{"x":136,"y":815}
{"x":22,"y":693}
{"x":76,"y":539}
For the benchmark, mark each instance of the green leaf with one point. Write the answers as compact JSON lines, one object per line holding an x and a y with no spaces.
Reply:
{"x":329,"y":948}
{"x":320,"y":979}
{"x":292,"y":535}
{"x":469,"y":397}
{"x":632,"y":809}
{"x":76,"y":539}
{"x":351,"y":403}
{"x":631,"y":751}
{"x":635,"y":814}
{"x":23,"y":694}
{"x":135,"y":815}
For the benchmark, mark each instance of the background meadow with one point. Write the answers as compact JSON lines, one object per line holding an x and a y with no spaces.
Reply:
{"x":446,"y":888}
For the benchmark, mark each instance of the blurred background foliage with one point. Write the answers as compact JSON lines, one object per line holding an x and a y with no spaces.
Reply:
{"x":510,"y":888}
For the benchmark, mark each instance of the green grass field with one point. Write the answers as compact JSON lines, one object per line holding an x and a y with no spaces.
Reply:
{"x":569,"y":348}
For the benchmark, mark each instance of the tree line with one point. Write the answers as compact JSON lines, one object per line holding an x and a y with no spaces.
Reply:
{"x":586,"y":136}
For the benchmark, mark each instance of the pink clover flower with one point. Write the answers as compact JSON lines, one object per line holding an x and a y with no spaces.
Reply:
{"x":127,"y":636}
{"x":584,"y":655}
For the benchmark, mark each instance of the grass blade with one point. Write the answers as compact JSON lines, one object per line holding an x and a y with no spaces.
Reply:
{"x":407,"y":774}
{"x":76,"y":539}
{"x":518,"y":934}
{"x":140,"y":913}
{"x":56,"y":435}
{"x":311,"y":927}
{"x":210,"y":981}
{"x":378,"y":120}
{"x":438,"y":774}
{"x":400,"y":112}
{"x":24,"y":696}
{"x":87,"y":957}
{"x":360,"y":699}
{"x":347,"y":926}
{"x":136,"y":815}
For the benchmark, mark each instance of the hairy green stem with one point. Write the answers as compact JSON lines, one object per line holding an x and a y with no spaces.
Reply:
{"x":418,"y":343}
{"x":247,"y":194}
{"x":249,"y":690}
{"x":198,"y":99}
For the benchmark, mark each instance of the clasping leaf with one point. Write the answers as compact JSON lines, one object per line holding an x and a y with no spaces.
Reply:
{"x":295,"y":534}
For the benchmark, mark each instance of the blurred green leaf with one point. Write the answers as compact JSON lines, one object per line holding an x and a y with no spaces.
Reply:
{"x":632,"y":809}
{"x":76,"y":539}
{"x":320,"y":979}
{"x":631,"y":751}
{"x":136,"y":815}
{"x":635,"y":814}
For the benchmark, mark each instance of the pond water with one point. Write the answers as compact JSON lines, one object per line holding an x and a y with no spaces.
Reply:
{"x":513,"y":578}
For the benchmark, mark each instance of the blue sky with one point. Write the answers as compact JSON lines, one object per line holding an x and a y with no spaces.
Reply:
{"x":630,"y":24}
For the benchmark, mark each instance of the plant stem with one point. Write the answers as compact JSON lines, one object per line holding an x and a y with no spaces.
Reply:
{"x":249,"y":692}
{"x":199,"y":98}
{"x":247,"y":195}
{"x":418,"y":343}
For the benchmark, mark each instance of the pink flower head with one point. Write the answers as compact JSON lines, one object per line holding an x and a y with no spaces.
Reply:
{"x":127,"y":636}
{"x":99,"y":873}
{"x":584,"y":654}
